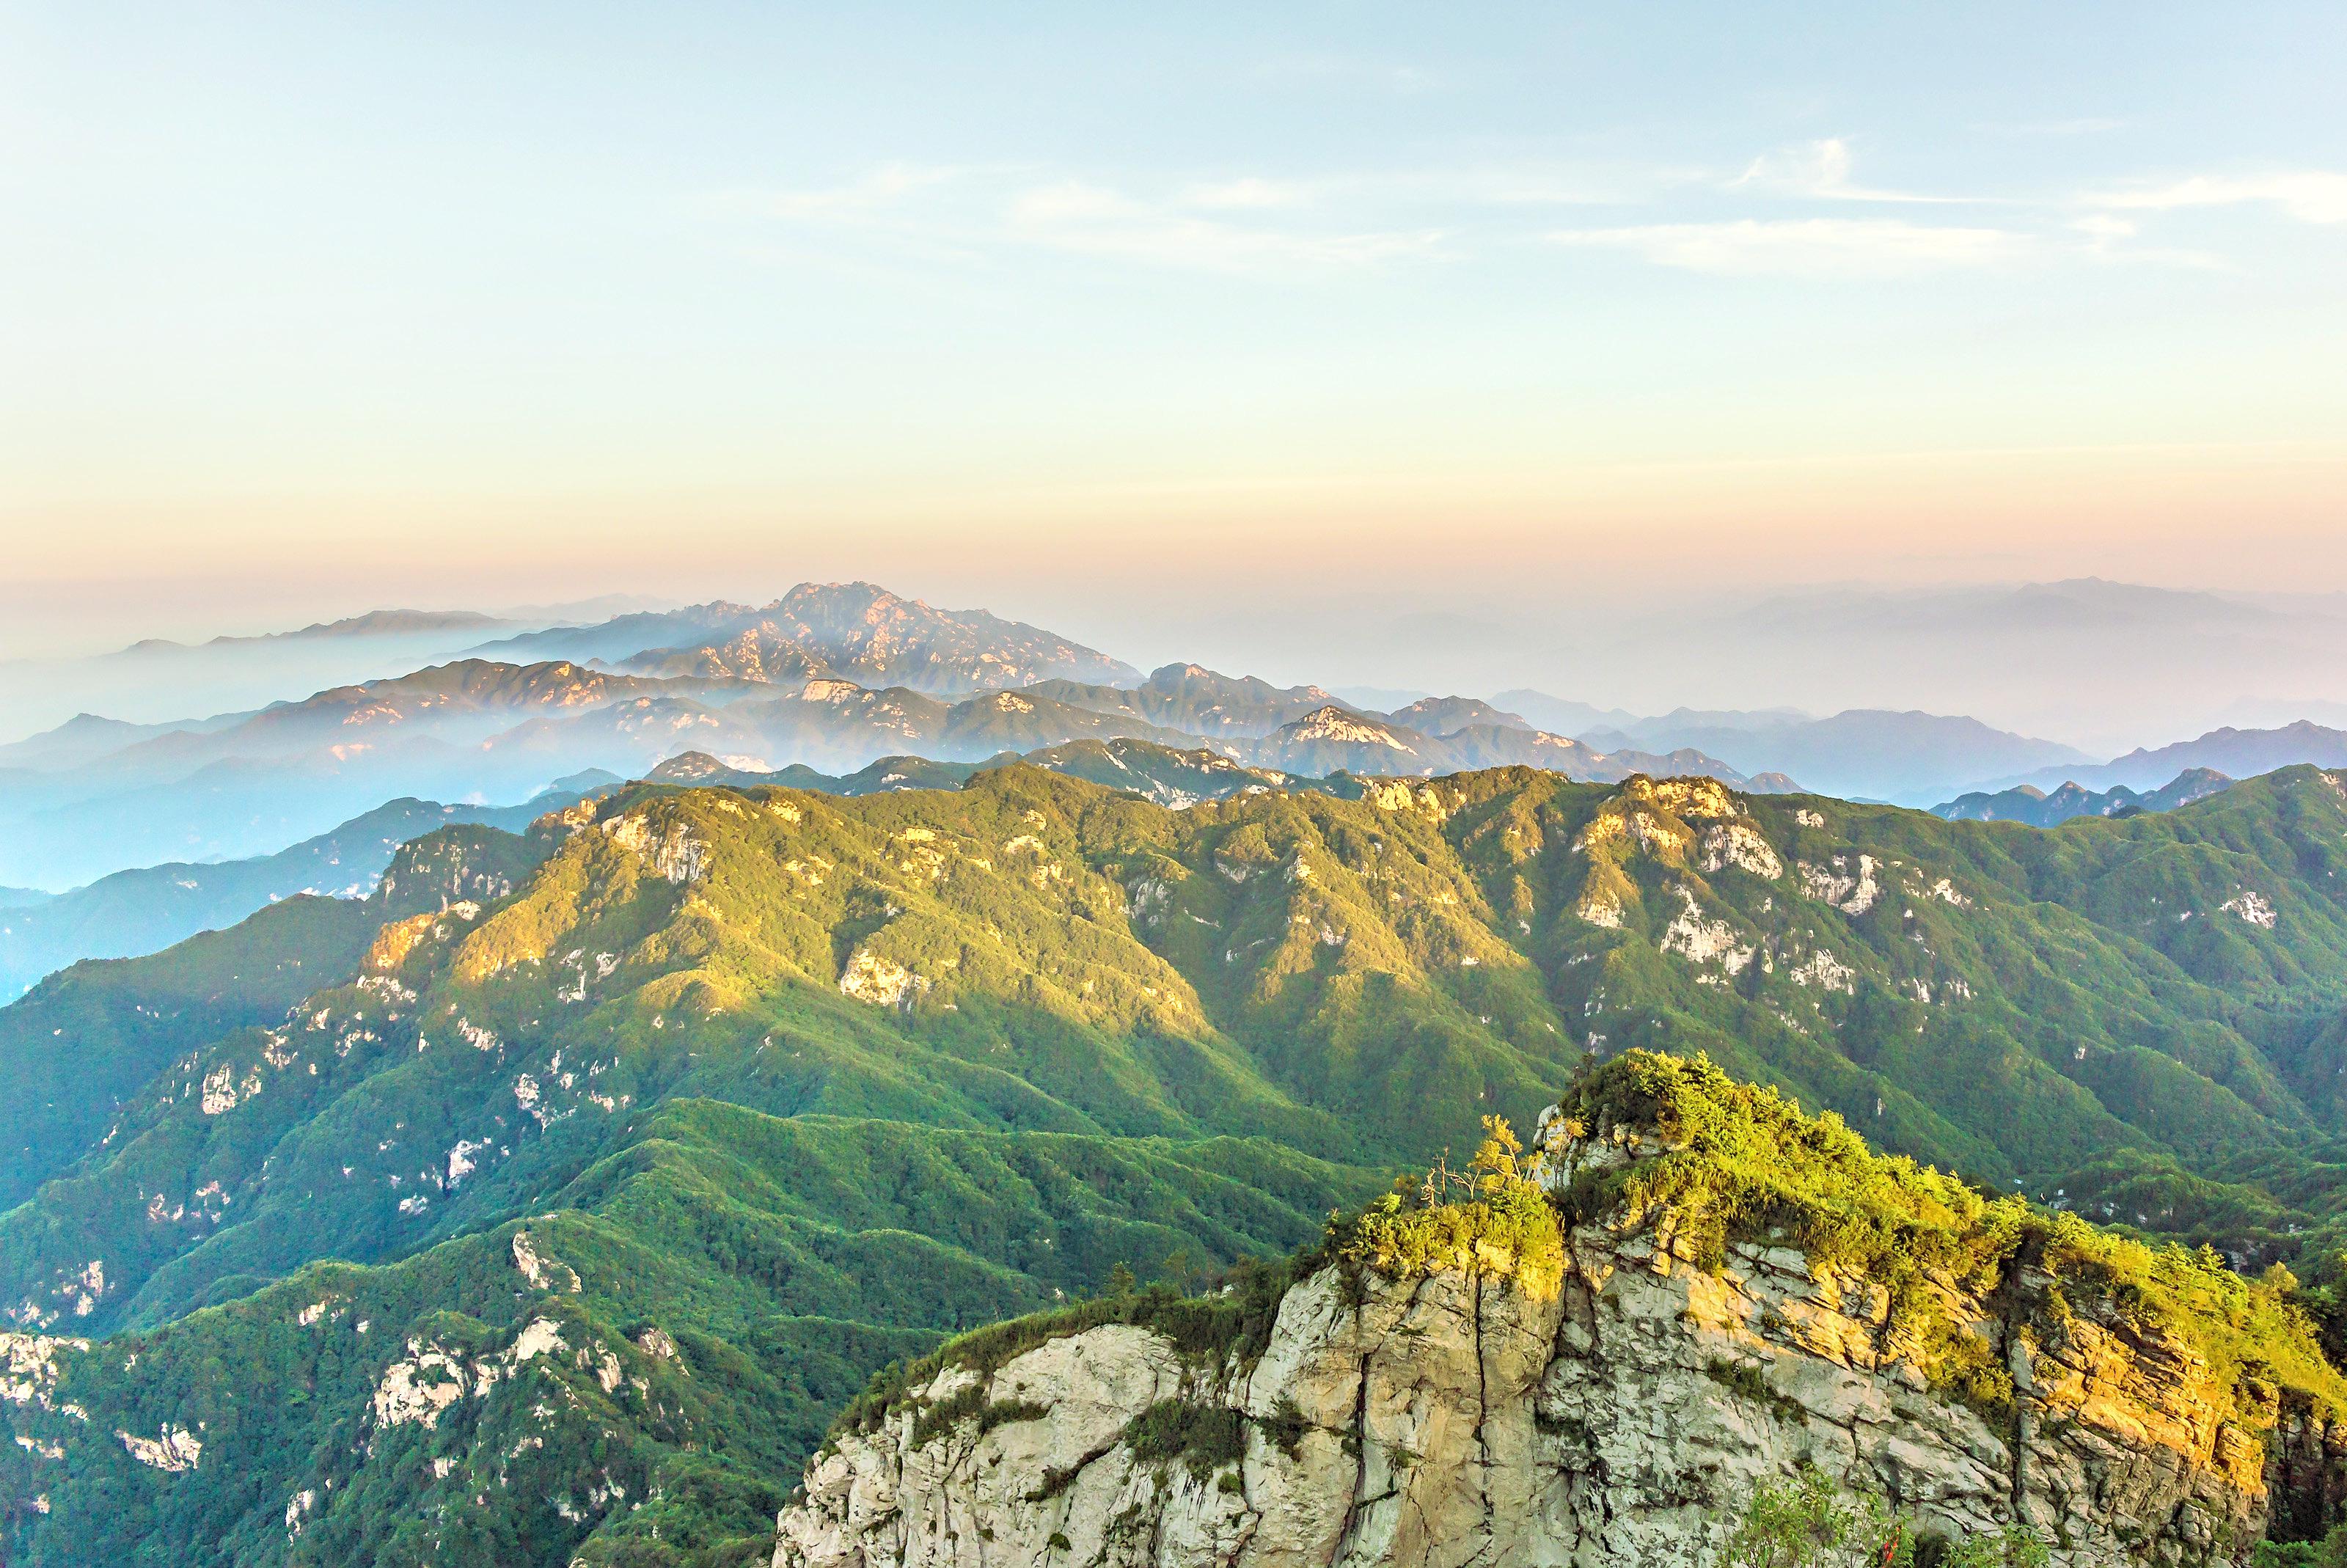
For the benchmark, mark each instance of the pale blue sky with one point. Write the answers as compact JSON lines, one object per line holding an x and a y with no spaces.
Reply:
{"x":300,"y":303}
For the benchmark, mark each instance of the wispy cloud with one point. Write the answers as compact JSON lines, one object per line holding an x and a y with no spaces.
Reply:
{"x":1244,"y":222}
{"x":1246,"y":192}
{"x":1820,"y":170}
{"x":1535,"y":184}
{"x":1808,"y":247}
{"x":1232,"y":226}
{"x":2104,"y":237}
{"x":881,"y":188}
{"x":1096,"y":221}
{"x":2310,"y":195}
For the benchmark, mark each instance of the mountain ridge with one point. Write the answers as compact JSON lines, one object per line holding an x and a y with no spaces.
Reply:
{"x":239,"y":785}
{"x":650,"y":1046}
{"x":2025,"y":802}
{"x":2235,"y":752}
{"x":135,"y":912}
{"x":843,"y":630}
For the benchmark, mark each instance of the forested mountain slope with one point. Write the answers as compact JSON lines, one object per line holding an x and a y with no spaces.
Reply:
{"x":674,"y":1052}
{"x":142,"y":911}
{"x":84,"y":1040}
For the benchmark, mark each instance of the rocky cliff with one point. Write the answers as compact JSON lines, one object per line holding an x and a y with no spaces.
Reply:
{"x":1468,"y":1403}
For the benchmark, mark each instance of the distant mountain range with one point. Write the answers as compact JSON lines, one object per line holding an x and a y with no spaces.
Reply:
{"x":1196,"y":701}
{"x":1568,"y":717}
{"x":1168,"y":776}
{"x":1158,"y":774}
{"x":2100,"y":666}
{"x":375,"y":623}
{"x":851,"y":632}
{"x":1909,"y":758}
{"x":834,"y":677}
{"x":87,"y":736}
{"x":1915,"y":759}
{"x":2028,"y":804}
{"x":145,"y":910}
{"x":2088,"y":661}
{"x":97,"y":795}
{"x":2237,"y":754}
{"x":159,"y":679}
{"x":148,"y":909}
{"x":1328,"y":750}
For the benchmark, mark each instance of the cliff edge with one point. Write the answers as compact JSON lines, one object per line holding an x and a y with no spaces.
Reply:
{"x":1600,"y":1352}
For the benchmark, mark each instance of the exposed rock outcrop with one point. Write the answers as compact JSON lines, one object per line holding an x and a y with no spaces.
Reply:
{"x":1627,"y":1418}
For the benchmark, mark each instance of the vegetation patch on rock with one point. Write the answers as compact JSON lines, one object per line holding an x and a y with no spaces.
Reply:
{"x":1676,"y":1143}
{"x":1493,"y":1221}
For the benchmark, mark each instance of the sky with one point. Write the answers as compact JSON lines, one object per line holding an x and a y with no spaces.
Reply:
{"x":1105,"y":316}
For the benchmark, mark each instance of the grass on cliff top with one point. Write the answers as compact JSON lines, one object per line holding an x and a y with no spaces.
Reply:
{"x":1730,"y":1162}
{"x":1494,"y":1220}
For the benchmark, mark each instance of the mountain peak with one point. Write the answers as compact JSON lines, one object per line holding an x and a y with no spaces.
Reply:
{"x":1330,"y":722}
{"x":857,"y":630}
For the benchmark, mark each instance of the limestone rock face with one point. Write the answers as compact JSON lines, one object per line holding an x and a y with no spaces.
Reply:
{"x":1447,"y":1421}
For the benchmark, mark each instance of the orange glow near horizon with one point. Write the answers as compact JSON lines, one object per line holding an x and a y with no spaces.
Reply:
{"x":2239,"y":517}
